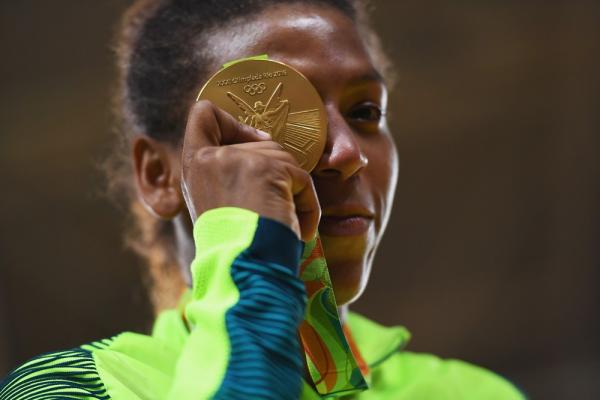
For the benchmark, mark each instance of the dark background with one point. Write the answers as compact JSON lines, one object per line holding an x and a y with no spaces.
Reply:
{"x":492,"y":255}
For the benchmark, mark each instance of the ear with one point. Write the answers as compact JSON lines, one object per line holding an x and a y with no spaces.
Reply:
{"x":157,"y":172}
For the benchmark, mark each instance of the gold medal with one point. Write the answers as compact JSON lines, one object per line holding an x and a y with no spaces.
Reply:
{"x":275,"y":98}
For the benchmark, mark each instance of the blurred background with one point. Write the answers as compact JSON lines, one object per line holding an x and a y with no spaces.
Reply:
{"x":493,"y":251}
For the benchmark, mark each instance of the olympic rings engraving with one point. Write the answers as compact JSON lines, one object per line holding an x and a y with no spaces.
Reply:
{"x":255,"y":88}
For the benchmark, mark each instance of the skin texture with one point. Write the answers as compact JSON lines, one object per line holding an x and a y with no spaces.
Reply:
{"x":222,"y":163}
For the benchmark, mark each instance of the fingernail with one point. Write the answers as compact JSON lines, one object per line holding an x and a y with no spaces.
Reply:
{"x":263,"y":134}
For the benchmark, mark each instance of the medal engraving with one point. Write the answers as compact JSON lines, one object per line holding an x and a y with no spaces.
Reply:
{"x":275,"y":98}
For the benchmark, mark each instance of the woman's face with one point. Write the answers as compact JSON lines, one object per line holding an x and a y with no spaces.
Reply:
{"x":356,"y":176}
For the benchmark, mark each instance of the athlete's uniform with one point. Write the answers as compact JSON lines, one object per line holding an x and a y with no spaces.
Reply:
{"x":236,"y":337}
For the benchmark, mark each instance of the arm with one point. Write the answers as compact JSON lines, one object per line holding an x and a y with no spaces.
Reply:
{"x":247,"y":304}
{"x":254,"y":202}
{"x":224,"y":165}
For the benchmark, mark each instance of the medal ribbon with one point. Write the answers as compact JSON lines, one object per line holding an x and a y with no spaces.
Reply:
{"x":333,"y":367}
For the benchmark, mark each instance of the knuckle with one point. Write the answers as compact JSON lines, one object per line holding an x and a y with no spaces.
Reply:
{"x":291,"y":159}
{"x":204,"y":155}
{"x":202,"y":110}
{"x":200,"y":113}
{"x":203,"y":106}
{"x":278,"y":184}
{"x":258,"y":163}
{"x":272,"y":145}
{"x":222,"y":154}
{"x":205,"y":152}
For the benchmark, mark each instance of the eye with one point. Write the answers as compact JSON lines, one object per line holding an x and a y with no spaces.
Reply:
{"x":366,"y":112}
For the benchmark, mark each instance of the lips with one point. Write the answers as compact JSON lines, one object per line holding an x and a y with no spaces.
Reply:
{"x":346,"y":220}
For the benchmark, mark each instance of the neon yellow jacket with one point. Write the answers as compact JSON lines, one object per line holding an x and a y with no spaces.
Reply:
{"x":235,"y":337}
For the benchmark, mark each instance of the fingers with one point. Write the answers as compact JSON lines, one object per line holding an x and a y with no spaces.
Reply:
{"x":209,"y":132}
{"x":270,"y":149}
{"x":209,"y":125}
{"x":307,"y":205}
{"x":306,"y":202}
{"x":233,"y":131}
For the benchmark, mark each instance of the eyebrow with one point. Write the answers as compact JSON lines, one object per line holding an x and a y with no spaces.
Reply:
{"x":372,"y":75}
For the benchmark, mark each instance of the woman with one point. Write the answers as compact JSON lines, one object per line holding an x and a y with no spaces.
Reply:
{"x":223,"y":198}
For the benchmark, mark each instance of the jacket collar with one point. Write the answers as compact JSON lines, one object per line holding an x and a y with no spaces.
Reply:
{"x":376,"y":342}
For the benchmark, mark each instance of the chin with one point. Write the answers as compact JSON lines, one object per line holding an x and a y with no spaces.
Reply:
{"x":349,"y":282}
{"x":348,"y":262}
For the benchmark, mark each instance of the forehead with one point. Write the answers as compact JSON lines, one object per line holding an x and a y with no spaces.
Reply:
{"x":321,"y":42}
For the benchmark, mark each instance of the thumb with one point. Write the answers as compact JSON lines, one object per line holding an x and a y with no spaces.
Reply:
{"x":208,"y":125}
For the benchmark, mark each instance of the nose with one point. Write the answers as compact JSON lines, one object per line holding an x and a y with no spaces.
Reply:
{"x":343,"y":156}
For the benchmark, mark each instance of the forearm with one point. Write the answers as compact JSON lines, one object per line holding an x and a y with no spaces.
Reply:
{"x":246,"y":308}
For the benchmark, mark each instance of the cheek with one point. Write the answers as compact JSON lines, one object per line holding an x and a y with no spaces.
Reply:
{"x":383,"y":174}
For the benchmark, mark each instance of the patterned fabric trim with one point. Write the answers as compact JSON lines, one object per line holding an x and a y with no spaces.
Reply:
{"x":68,"y":375}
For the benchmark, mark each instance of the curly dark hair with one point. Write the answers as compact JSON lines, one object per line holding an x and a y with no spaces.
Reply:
{"x":160,"y":72}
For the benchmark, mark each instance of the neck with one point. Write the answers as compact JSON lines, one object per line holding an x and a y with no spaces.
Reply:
{"x":185,"y":247}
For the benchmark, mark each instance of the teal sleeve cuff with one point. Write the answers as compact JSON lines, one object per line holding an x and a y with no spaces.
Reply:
{"x":276,"y":243}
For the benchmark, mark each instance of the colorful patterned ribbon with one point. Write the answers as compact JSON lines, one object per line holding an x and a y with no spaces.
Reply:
{"x":333,"y":367}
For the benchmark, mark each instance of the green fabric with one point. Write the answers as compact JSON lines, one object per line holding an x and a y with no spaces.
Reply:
{"x":375,"y":342}
{"x":68,"y":374}
{"x":220,"y":236}
{"x":403,"y":375}
{"x":179,"y":363}
{"x":139,"y":367}
{"x":259,"y":57}
{"x":147,"y":364}
{"x":411,"y":376}
{"x":173,"y":363}
{"x":136,"y":366}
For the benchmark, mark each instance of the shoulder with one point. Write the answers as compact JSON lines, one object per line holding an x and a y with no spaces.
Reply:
{"x":129,"y":365}
{"x":420,"y":375}
{"x":68,"y":374}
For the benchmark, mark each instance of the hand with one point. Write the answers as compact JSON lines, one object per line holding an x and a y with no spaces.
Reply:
{"x":228,"y":164}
